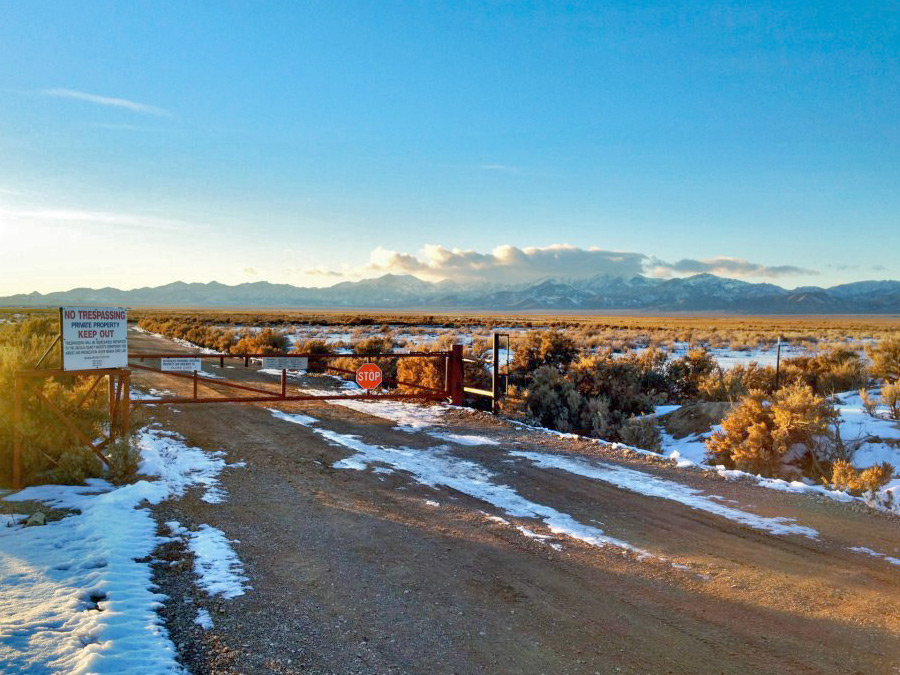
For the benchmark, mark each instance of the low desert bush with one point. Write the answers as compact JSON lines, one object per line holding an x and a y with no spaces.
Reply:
{"x":543,"y":348}
{"x":775,"y":435}
{"x":886,"y":359}
{"x":641,"y":432}
{"x":845,"y":477}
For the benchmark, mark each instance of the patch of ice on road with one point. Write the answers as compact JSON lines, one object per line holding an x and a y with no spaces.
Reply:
{"x":436,"y":467}
{"x":653,"y":486}
{"x":875,"y":554}
{"x":543,"y":538}
{"x":410,"y":417}
{"x":218,"y":567}
{"x":203,"y":619}
{"x":75,"y":597}
{"x":295,"y":418}
{"x":462,"y":439}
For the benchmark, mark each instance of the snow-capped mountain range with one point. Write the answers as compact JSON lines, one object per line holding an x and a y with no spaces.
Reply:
{"x":703,"y":292}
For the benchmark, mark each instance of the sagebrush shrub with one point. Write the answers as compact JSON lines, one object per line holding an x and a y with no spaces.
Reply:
{"x":543,"y":348}
{"x":890,"y":396}
{"x":886,"y":359}
{"x":845,"y":477}
{"x":766,"y":434}
{"x":552,"y":400}
{"x":641,"y":432}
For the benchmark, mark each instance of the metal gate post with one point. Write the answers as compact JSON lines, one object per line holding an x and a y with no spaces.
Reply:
{"x":455,"y":375}
{"x":495,"y":375}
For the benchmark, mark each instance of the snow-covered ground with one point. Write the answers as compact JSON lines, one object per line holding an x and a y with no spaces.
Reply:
{"x":77,"y":594}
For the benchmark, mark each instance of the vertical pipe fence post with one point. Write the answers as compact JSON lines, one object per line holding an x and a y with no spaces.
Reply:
{"x":283,"y":382}
{"x":195,"y":385}
{"x":495,"y":375}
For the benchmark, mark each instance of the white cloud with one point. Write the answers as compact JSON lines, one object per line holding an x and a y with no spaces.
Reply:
{"x":511,"y":264}
{"x":108,"y":101}
{"x":508,"y":264}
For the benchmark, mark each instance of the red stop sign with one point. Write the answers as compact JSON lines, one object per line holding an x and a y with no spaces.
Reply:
{"x":368,"y":376}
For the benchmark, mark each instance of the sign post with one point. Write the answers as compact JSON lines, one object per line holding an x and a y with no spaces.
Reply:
{"x":93,"y":338}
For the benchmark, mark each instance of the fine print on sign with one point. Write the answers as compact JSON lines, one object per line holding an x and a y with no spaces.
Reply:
{"x":93,"y":337}
{"x":285,"y":362}
{"x":180,"y":364}
{"x":368,"y":376}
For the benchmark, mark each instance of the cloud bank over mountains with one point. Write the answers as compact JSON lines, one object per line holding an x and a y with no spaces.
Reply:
{"x":511,"y":264}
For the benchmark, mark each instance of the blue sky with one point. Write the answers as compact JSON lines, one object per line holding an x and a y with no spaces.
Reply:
{"x":312,"y":142}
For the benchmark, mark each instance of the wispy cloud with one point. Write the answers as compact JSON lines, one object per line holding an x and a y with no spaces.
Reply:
{"x":105,"y":218}
{"x":124,"y":103}
{"x":724,"y":266}
{"x":503,"y":168}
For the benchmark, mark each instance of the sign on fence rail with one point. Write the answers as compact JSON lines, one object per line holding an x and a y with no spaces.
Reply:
{"x":93,"y":338}
{"x":285,"y":362}
{"x":180,"y":364}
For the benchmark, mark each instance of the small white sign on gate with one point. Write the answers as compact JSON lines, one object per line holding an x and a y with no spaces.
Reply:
{"x":93,"y":337}
{"x":285,"y":363}
{"x":180,"y":364}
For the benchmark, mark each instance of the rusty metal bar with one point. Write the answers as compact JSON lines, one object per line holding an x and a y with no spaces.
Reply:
{"x":205,"y":380}
{"x":278,"y":397}
{"x":442,"y":392}
{"x":90,"y":391}
{"x":380,"y":355}
{"x":71,"y":427}
{"x":283,"y":382}
{"x":47,"y":353}
{"x":195,"y":384}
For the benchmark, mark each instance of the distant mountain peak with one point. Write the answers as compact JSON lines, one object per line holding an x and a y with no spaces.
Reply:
{"x":701,"y":292}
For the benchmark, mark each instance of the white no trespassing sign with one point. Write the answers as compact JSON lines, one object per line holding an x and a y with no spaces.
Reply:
{"x":93,"y":337}
{"x":180,"y":364}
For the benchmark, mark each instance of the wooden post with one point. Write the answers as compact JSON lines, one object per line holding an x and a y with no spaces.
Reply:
{"x":221,"y":362}
{"x":283,"y":382}
{"x":126,"y":403}
{"x":17,"y":437}
{"x":195,"y":385}
{"x":455,"y":379}
{"x":112,"y":391}
{"x":114,"y":405}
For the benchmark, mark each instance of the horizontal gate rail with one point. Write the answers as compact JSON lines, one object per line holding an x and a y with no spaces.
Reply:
{"x":452,"y":380}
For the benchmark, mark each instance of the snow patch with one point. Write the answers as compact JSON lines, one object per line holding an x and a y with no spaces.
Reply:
{"x":653,"y":486}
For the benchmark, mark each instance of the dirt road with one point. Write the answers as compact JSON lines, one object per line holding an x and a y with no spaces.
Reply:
{"x":374,"y":545}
